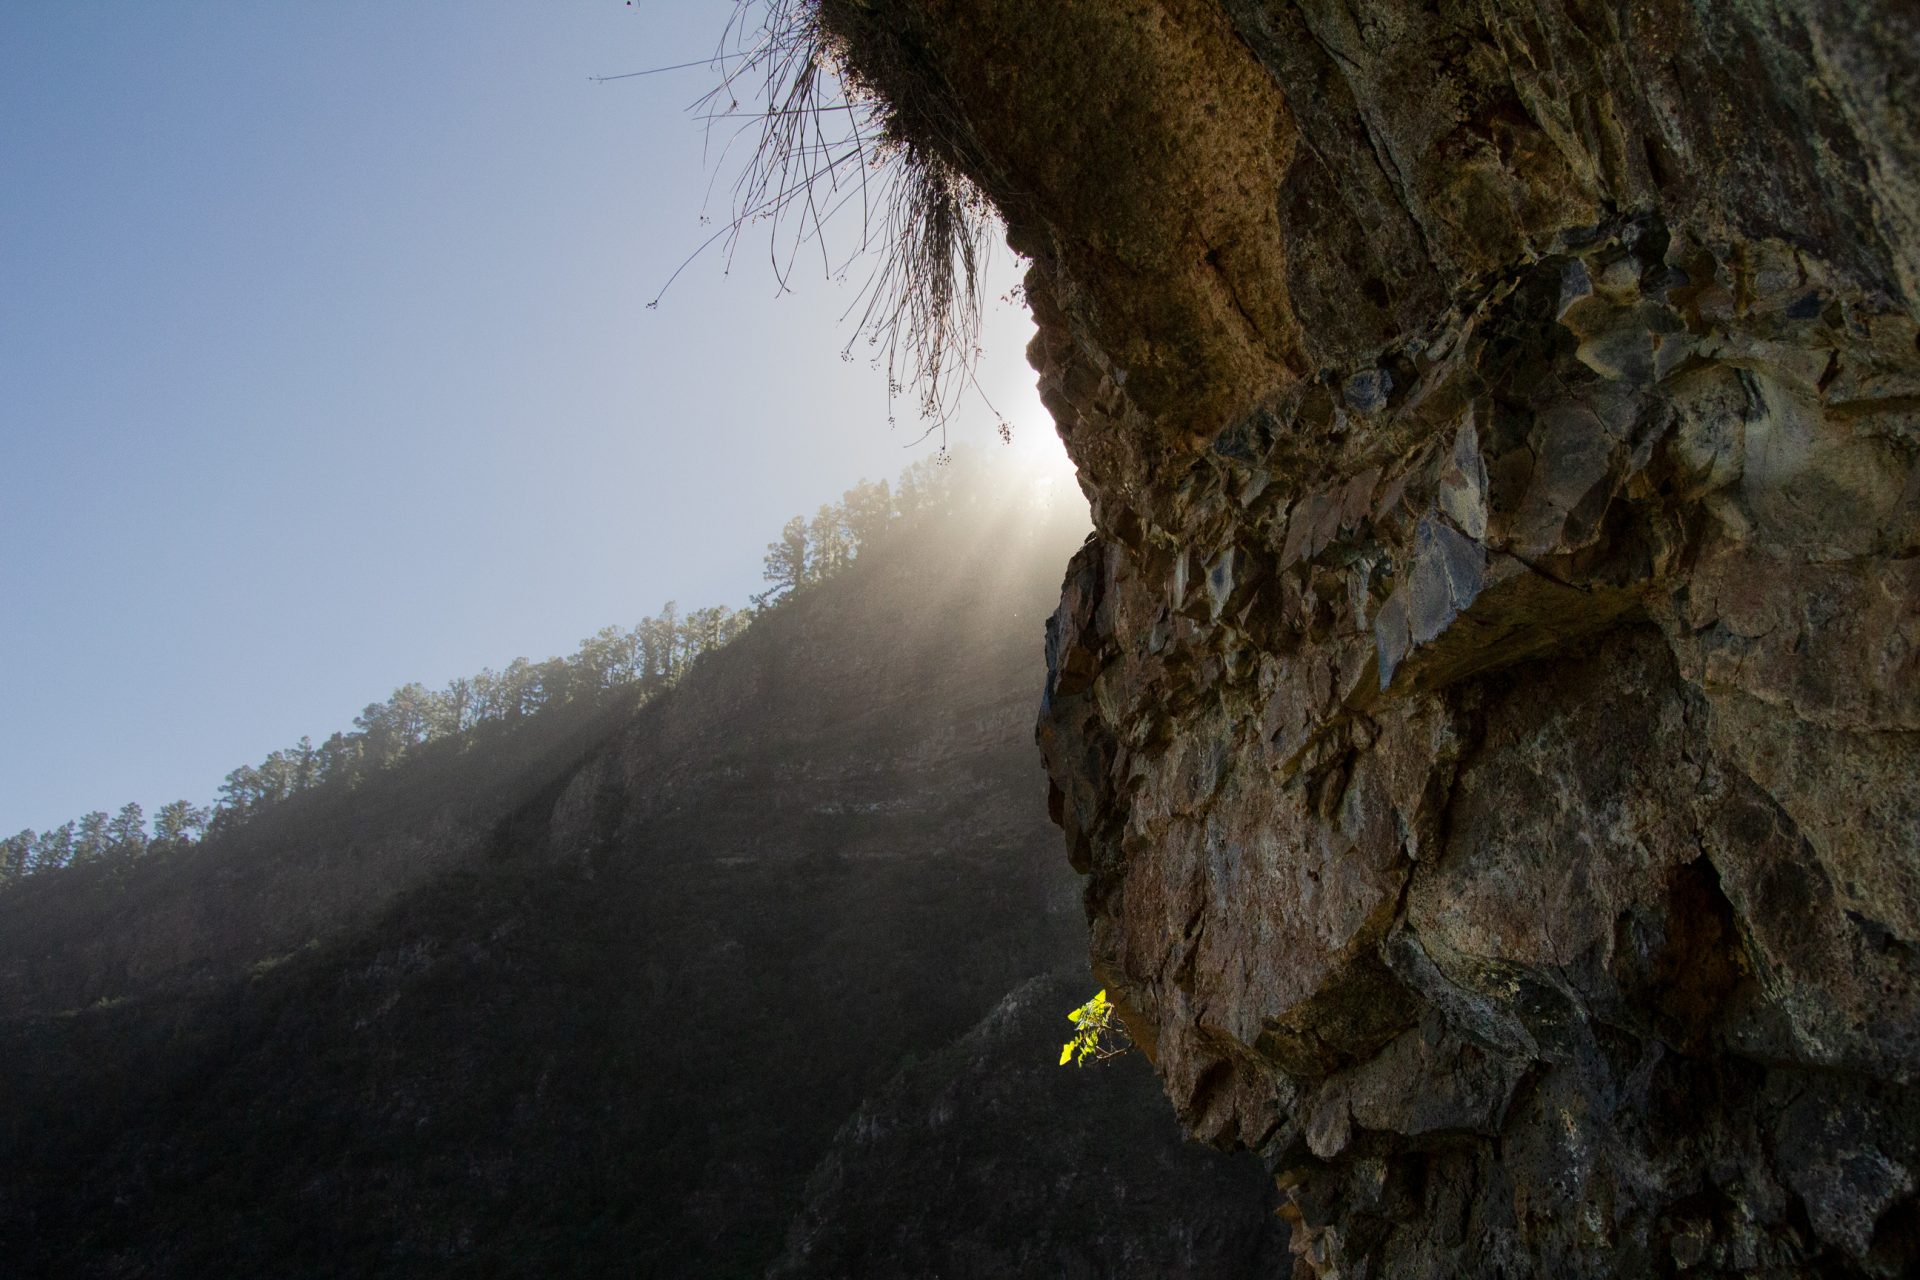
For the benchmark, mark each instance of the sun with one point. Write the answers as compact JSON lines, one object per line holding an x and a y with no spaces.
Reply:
{"x":1035,"y":443}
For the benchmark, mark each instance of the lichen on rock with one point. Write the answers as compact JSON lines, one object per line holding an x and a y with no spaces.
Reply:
{"x":1488,"y":715}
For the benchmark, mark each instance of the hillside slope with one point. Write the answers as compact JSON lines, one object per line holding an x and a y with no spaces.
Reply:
{"x":615,"y":998}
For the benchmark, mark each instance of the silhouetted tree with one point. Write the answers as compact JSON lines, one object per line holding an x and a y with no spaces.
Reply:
{"x":379,"y":736}
{"x":340,"y":759}
{"x":90,"y":841}
{"x":553,"y":682}
{"x":921,"y":487}
{"x":519,"y":690}
{"x":179,"y":824}
{"x":127,"y":833}
{"x":54,"y":848}
{"x":15,"y":852}
{"x":240,"y":795}
{"x":455,"y":708}
{"x":707,"y":629}
{"x":786,"y":563}
{"x":656,"y":651}
{"x":484,"y":689}
{"x":412,"y":713}
{"x":606,"y":658}
{"x":306,"y":763}
{"x":868,"y":510}
{"x":275,"y":779}
{"x":672,"y":642}
{"x":832,"y":546}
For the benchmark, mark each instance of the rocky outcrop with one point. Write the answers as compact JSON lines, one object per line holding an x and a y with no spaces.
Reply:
{"x":1488,"y":715}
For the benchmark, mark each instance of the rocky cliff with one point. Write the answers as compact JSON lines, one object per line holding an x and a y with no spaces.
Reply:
{"x":1488,"y":717}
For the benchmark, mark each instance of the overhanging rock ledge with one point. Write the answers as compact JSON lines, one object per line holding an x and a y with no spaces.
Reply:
{"x":1487,"y":714}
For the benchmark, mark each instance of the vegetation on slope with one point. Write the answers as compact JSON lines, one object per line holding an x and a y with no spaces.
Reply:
{"x":615,"y":665}
{"x":623,"y":987}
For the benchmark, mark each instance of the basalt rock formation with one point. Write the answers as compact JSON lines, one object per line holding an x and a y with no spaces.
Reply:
{"x":1488,"y":714}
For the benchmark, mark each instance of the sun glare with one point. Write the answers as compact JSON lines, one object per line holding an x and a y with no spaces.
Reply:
{"x":1038,"y":453}
{"x":1036,"y":444}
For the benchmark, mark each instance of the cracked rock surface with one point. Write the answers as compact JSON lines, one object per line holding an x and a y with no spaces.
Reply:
{"x":1487,"y":714}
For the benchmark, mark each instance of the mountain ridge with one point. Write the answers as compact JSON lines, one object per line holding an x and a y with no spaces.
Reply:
{"x":612,"y":1022}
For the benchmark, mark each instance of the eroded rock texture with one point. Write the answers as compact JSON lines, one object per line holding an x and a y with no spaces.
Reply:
{"x":1487,"y":714}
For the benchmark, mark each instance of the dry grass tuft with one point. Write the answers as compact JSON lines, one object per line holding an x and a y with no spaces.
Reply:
{"x":826,"y":151}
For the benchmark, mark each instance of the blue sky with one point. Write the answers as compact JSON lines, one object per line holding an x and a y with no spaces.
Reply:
{"x":325,"y":364}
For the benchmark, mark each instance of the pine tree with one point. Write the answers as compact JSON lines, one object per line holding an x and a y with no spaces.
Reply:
{"x":414,"y":711}
{"x":868,"y":511}
{"x":555,"y":681}
{"x":306,"y":764}
{"x":673,"y":642}
{"x":705,"y":630}
{"x":90,"y":842}
{"x":455,"y":708}
{"x":786,"y":563}
{"x":275,"y":775}
{"x":127,"y":833}
{"x":15,"y":852}
{"x":240,"y":797}
{"x":340,"y":759}
{"x":656,"y":647}
{"x":54,"y":848}
{"x":488,"y":693}
{"x":832,"y":548}
{"x":519,"y":689}
{"x":606,"y":658}
{"x":379,"y":736}
{"x":922,"y":487}
{"x":178,"y":825}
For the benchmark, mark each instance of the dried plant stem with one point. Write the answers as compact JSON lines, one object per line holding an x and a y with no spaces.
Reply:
{"x":822,"y":144}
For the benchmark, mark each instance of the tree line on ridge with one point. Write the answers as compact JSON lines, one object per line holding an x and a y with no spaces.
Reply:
{"x":636,"y":662}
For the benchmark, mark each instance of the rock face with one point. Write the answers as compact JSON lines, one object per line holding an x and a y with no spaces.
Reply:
{"x":1488,"y":715}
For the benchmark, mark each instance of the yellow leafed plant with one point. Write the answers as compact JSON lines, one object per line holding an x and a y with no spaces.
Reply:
{"x":1096,"y":1034}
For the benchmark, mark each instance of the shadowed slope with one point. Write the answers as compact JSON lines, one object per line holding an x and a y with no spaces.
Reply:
{"x":621,"y":1016}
